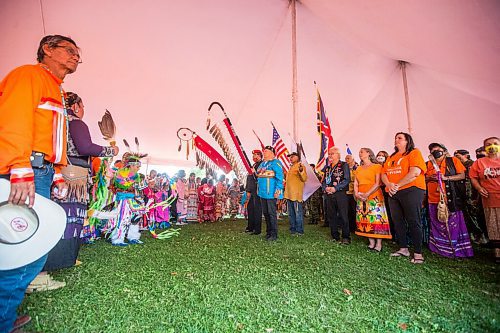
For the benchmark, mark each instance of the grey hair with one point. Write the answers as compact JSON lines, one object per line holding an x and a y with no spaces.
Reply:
{"x":52,"y":41}
{"x":371,"y":155}
{"x":337,"y":150}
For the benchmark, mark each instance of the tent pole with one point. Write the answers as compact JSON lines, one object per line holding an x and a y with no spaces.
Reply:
{"x":403,"y":64}
{"x":294,"y":70}
{"x":42,"y":17}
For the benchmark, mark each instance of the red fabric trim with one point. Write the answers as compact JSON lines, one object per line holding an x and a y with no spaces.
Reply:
{"x":22,"y":179}
{"x":54,"y":137}
{"x":57,"y":181}
{"x":49,"y":99}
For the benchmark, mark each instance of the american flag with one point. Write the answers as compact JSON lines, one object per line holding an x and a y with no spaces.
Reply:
{"x":325,"y":131}
{"x":281,"y":151}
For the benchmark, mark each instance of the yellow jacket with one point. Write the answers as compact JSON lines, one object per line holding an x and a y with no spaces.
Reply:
{"x":295,"y":181}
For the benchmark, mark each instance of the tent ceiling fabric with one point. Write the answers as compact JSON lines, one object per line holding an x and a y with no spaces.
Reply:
{"x":157,"y":65}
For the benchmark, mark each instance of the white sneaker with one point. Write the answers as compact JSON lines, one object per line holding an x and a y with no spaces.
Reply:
{"x":43,"y":282}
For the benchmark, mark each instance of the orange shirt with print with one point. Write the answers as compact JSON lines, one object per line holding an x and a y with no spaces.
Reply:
{"x":31,"y":119}
{"x":487,"y":171}
{"x":397,"y":167}
{"x":432,"y":185}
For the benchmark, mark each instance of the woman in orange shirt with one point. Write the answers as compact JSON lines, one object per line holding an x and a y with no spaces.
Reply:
{"x":371,"y":215}
{"x":485,"y":177}
{"x":403,"y":176}
{"x":450,"y":239}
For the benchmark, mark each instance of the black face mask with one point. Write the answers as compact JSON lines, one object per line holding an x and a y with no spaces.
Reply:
{"x":437,"y":153}
{"x":478,"y":156}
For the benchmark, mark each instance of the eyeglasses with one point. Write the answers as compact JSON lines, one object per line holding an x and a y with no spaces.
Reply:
{"x":71,"y":52}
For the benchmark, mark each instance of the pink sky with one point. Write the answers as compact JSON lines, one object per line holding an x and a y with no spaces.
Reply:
{"x":157,"y":66}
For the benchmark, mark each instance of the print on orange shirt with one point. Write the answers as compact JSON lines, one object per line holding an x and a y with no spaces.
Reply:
{"x":397,"y":167}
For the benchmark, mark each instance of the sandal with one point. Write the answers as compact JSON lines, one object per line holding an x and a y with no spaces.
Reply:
{"x":399,"y":254}
{"x":417,"y":261}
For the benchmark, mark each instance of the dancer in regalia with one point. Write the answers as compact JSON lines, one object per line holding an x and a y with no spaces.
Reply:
{"x":125,"y":184}
{"x":220,"y":198}
{"x":192,"y":199}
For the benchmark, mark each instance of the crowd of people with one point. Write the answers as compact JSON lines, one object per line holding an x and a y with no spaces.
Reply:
{"x":446,"y":202}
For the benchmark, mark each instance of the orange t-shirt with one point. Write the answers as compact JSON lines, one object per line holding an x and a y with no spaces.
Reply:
{"x":366,"y":177}
{"x":31,"y":119}
{"x":487,"y":171}
{"x":397,"y":167}
{"x":432,"y":186}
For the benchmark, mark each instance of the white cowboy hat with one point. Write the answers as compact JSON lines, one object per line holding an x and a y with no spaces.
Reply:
{"x":26,"y":234}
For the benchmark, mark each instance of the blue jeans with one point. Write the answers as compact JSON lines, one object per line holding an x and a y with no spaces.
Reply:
{"x":296,"y":216}
{"x":13,"y":282}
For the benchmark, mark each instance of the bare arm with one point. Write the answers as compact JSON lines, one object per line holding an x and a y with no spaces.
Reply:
{"x":412,"y":174}
{"x":456,"y":177}
{"x":478,"y":187}
{"x":385,"y":180}
{"x":356,"y":188}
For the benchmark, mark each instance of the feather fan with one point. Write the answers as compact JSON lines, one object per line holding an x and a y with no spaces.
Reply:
{"x":108,"y":127}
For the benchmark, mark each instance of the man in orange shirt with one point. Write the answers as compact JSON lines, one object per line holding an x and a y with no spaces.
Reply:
{"x":33,"y":144}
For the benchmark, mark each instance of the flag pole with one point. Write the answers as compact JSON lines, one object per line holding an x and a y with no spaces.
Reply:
{"x":260,"y":141}
{"x":318,"y":116}
{"x":293,"y":140}
{"x":294,"y":71}
{"x":403,"y":64}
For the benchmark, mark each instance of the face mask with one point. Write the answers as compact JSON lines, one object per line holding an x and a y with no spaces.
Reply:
{"x":381,"y":159}
{"x":492,"y":149}
{"x":437,"y":153}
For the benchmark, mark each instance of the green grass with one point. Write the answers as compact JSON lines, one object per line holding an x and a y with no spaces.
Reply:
{"x":215,"y":278}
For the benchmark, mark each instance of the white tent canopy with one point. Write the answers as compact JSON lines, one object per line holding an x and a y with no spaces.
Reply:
{"x":157,"y":65}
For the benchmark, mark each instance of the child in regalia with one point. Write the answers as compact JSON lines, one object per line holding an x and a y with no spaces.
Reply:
{"x":150,"y":198}
{"x":126,"y":183}
{"x":162,"y":213}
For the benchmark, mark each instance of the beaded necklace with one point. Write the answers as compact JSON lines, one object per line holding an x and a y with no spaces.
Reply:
{"x":334,"y":170}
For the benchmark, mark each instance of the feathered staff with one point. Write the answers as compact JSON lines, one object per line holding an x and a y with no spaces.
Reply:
{"x":108,"y":128}
{"x":234,"y":154}
{"x":206,"y":156}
